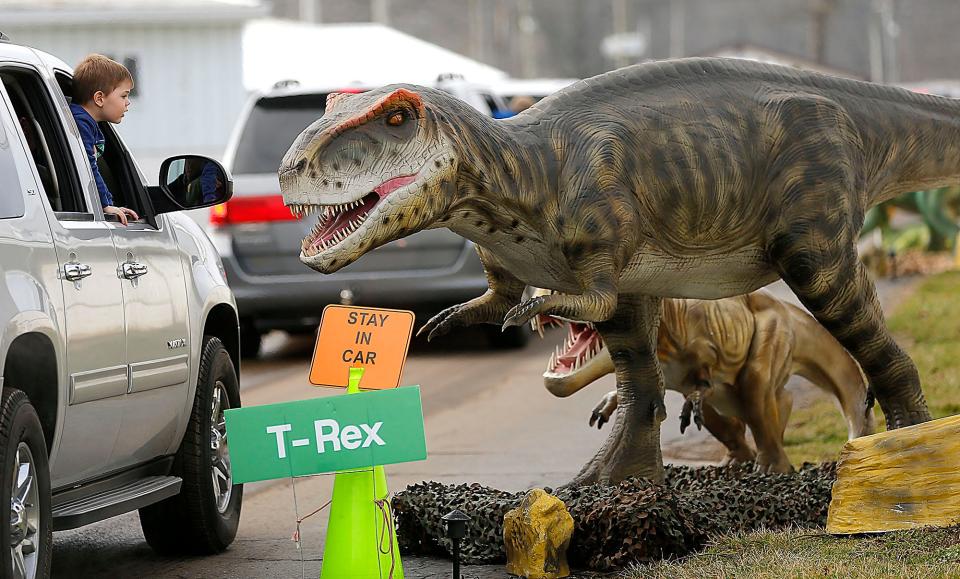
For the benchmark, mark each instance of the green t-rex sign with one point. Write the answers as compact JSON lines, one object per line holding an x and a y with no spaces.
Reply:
{"x":326,"y":434}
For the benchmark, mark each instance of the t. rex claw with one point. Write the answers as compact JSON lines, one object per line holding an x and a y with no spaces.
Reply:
{"x":442,"y":323}
{"x":524,"y":312}
{"x":598,"y":418}
{"x":692,"y":407}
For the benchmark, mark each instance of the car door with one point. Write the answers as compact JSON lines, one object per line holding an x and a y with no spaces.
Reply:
{"x":95,"y":373}
{"x":155,"y":311}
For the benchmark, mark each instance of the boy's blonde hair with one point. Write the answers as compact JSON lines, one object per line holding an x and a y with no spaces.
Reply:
{"x":97,"y":72}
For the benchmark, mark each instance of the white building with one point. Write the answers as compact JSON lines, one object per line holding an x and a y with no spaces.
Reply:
{"x":325,"y":55}
{"x":186,"y":57}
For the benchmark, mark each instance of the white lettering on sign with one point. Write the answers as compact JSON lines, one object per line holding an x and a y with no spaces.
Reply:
{"x":279,"y":429}
{"x":331,"y":436}
{"x":349,"y":437}
{"x":372,"y":434}
{"x":328,"y":430}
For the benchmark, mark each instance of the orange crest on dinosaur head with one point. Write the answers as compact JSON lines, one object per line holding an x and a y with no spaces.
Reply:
{"x":404,"y":96}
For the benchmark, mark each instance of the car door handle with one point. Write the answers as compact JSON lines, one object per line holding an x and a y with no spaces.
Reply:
{"x":76,"y":271}
{"x":133,"y":270}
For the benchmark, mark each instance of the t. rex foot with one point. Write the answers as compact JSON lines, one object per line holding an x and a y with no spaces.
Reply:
{"x":900,"y":415}
{"x":632,"y":449}
{"x":739,"y":456}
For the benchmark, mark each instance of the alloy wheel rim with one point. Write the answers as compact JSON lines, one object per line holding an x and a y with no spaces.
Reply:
{"x":220,"y":473}
{"x":24,"y":515}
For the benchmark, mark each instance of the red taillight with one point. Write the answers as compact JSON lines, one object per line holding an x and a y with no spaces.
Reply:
{"x":250,"y":210}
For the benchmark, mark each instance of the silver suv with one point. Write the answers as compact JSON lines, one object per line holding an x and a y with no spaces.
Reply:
{"x":259,"y":239}
{"x":119,"y":344}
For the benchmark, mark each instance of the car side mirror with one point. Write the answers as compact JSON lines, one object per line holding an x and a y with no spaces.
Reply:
{"x":192,"y":182}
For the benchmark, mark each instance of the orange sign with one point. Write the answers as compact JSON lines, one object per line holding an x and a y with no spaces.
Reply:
{"x":375,"y":339}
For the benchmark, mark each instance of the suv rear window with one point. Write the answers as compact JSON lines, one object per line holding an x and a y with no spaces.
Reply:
{"x":273,"y":125}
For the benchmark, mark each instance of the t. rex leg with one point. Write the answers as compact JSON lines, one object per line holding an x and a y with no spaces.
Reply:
{"x":731,"y":432}
{"x":784,"y":407}
{"x":822,"y":268}
{"x":763,"y":418}
{"x":504,"y":291}
{"x":633,"y":447}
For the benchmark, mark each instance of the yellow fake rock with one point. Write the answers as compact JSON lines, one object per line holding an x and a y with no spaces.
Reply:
{"x":536,"y":535}
{"x":900,"y":479}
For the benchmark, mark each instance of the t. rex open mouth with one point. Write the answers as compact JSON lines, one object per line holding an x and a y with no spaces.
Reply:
{"x":582,"y":344}
{"x":337,"y":222}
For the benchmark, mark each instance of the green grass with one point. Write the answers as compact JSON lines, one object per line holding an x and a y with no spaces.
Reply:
{"x":927,"y":325}
{"x":915,"y":553}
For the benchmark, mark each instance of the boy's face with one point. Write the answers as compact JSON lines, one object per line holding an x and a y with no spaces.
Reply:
{"x":114,"y":105}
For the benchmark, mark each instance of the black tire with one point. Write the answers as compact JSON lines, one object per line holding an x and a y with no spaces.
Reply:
{"x":250,"y":339}
{"x":191,"y":523}
{"x":512,"y":338}
{"x":19,"y":424}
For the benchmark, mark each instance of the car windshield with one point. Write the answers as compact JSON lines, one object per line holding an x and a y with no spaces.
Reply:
{"x":273,"y":125}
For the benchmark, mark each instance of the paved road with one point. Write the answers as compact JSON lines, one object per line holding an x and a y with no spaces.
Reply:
{"x":488,"y":419}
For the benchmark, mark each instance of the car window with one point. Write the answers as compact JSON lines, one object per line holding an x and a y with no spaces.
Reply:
{"x":116,"y":167}
{"x":11,"y":193}
{"x":271,"y":128}
{"x":46,"y":141}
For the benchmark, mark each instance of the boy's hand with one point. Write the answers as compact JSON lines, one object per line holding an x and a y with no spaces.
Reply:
{"x":121,"y":213}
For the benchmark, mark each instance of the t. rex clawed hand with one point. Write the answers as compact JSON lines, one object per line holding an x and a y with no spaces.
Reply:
{"x":486,"y":309}
{"x":593,"y":306}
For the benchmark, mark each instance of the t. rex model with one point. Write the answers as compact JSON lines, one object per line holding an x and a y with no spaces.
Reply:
{"x":697,"y":178}
{"x":731,"y":359}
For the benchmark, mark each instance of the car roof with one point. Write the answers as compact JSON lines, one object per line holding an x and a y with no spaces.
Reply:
{"x":11,"y":50}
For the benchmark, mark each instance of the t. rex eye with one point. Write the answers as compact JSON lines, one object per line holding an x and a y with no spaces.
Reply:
{"x":396,"y":119}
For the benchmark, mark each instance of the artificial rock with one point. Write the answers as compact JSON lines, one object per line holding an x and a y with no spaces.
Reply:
{"x":536,"y":536}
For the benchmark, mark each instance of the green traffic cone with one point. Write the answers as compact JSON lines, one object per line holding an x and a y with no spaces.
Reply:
{"x":361,"y":540}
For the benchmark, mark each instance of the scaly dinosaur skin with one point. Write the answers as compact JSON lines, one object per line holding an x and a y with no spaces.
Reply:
{"x":698,"y":178}
{"x":735,"y":355}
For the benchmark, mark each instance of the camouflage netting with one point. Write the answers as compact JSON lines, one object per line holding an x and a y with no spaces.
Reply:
{"x":632,"y":521}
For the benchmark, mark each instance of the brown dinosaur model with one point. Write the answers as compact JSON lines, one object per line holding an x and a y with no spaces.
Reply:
{"x":696,"y":178}
{"x":731,"y":359}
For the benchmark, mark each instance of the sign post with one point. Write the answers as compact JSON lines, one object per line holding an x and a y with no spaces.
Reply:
{"x":353,"y":436}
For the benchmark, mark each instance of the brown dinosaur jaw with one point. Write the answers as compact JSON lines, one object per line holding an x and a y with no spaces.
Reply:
{"x":338,"y":222}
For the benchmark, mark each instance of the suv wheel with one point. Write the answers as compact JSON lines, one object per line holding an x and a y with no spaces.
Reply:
{"x":25,"y":485}
{"x":250,"y":339}
{"x":203,"y":518}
